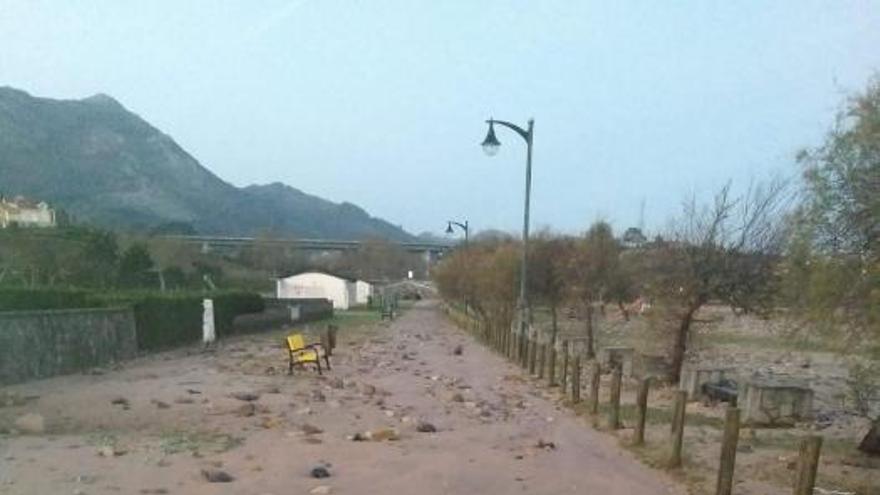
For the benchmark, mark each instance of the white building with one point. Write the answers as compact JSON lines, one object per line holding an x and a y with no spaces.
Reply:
{"x":363,"y":291}
{"x":341,"y":291}
{"x":25,"y":213}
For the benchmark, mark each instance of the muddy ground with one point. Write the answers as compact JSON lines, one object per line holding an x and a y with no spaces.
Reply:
{"x":766,"y":455}
{"x":400,"y":412}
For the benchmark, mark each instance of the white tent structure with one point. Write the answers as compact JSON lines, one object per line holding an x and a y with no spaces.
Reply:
{"x":341,"y":291}
{"x":363,"y":291}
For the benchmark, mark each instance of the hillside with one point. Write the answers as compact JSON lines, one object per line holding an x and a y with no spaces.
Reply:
{"x":106,"y":166}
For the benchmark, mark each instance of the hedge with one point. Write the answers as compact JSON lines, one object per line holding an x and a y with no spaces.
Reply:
{"x":163,"y":320}
{"x":15,"y":299}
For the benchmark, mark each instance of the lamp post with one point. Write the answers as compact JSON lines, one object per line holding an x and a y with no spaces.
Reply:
{"x":490,"y":146}
{"x":464,"y":227}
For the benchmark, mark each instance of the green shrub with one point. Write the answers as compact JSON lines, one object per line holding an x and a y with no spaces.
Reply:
{"x":163,"y":320}
{"x":45,"y":299}
{"x":228,"y":305}
{"x":167,"y":321}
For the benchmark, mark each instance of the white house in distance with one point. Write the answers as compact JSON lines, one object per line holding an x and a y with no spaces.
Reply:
{"x":341,"y":291}
{"x":363,"y":291}
{"x":25,"y":213}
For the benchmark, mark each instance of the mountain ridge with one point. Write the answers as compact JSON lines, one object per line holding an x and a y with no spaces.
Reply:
{"x":108,"y":166}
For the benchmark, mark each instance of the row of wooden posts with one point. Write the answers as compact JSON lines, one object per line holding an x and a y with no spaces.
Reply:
{"x":540,"y":359}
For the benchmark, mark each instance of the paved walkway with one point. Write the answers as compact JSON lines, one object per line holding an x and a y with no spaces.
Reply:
{"x":497,"y":433}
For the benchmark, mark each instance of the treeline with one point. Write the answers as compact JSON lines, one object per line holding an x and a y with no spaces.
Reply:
{"x":82,"y":257}
{"x":809,"y":249}
{"x":90,"y":258}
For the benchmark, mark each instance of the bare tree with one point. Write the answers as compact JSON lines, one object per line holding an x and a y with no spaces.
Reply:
{"x":724,"y":252}
{"x":593,"y":271}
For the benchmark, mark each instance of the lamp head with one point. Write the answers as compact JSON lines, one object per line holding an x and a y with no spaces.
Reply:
{"x":491,"y":143}
{"x":449,"y":228}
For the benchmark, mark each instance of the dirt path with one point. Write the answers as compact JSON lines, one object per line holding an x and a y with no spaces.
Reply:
{"x":496,"y":433}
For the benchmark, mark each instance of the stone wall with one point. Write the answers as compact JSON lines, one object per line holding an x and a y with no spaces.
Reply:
{"x":39,"y":344}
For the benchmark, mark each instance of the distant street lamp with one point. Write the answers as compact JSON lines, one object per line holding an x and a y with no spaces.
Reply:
{"x":464,"y":227}
{"x":491,"y":146}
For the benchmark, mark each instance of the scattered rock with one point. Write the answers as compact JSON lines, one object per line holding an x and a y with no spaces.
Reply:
{"x":31,"y":423}
{"x":425,"y":427}
{"x":247,"y":410}
{"x":745,"y":448}
{"x":321,"y":490}
{"x":458,"y":350}
{"x":159,"y":404}
{"x":311,"y":429}
{"x":270,"y":389}
{"x":320,"y":472}
{"x":184,"y":400}
{"x":120,"y":401}
{"x":193,"y":391}
{"x":368,"y":390}
{"x":457,"y":397}
{"x":545,"y":445}
{"x":318,"y":396}
{"x":110,"y":451}
{"x":382,"y":434}
{"x":154,"y":491}
{"x":337,"y":383}
{"x":245,"y":396}
{"x":217,"y":476}
{"x":389,"y":413}
{"x":358,"y":437}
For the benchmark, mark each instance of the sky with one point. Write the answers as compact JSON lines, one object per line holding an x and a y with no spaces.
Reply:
{"x":383,"y":103}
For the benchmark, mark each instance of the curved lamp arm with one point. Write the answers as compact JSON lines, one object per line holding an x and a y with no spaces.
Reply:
{"x":519,"y":130}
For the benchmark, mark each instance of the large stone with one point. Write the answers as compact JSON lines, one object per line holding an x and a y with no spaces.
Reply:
{"x":31,"y":423}
{"x":694,"y":377}
{"x":775,"y":402}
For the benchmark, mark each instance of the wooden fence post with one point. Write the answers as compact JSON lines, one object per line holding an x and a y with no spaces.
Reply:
{"x":576,"y":380}
{"x":808,"y":463}
{"x":551,"y":365}
{"x":642,"y":409}
{"x":677,"y":428}
{"x":595,"y":380}
{"x":724,"y":486}
{"x":564,"y":379}
{"x":614,"y":400}
{"x":533,"y":353}
{"x":331,"y":332}
{"x":542,"y":359}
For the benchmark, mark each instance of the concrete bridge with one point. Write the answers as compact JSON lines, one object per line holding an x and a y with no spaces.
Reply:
{"x":430,"y":250}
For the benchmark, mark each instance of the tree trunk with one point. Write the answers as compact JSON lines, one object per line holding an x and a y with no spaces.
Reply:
{"x":870,"y":444}
{"x":681,"y":341}
{"x":554,"y":326}
{"x":591,"y":353}
{"x":623,"y":310}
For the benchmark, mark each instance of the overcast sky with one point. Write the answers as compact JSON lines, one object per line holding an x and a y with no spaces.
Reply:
{"x":382,"y":103}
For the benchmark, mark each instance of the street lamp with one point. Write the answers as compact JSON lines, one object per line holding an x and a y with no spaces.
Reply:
{"x":491,"y":146}
{"x":464,"y":227}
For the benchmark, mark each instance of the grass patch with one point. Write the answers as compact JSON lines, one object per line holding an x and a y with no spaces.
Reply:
{"x":765,"y":342}
{"x":353,"y":318}
{"x":215,"y":443}
{"x":656,"y":416}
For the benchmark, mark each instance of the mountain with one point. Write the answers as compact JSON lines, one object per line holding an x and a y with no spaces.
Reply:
{"x":107,"y":166}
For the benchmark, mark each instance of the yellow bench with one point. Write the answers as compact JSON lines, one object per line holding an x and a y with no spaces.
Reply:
{"x":301,"y":353}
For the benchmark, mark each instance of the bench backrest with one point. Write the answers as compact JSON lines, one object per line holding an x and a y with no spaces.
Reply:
{"x":295,"y":342}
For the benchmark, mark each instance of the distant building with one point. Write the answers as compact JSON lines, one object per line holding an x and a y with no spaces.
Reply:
{"x":25,"y":213}
{"x":343,"y":292}
{"x":633,"y":237}
{"x":363,"y":291}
